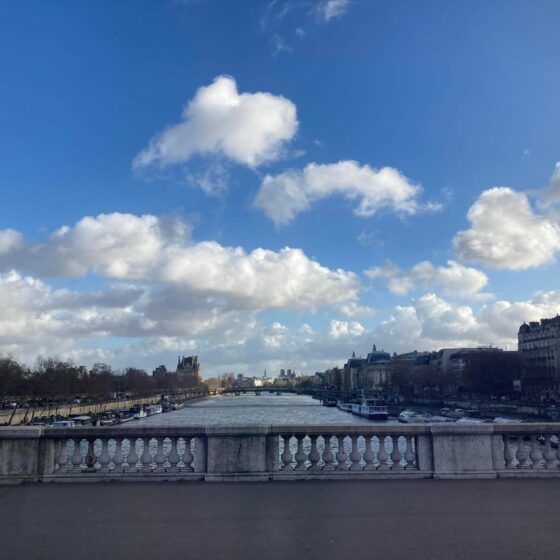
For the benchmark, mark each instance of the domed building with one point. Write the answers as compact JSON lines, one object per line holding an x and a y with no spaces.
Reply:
{"x":376,"y":371}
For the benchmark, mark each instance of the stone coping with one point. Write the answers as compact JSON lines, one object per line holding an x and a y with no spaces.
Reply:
{"x":32,"y":432}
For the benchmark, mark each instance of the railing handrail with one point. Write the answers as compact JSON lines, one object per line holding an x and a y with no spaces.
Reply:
{"x":9,"y":432}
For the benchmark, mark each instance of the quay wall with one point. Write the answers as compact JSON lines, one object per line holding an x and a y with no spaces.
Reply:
{"x":128,"y":453}
{"x":22,"y":416}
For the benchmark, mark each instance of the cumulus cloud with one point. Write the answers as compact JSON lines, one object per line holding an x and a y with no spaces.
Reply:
{"x":283,"y":196}
{"x":160,"y":251}
{"x":507,"y":233}
{"x":339,"y":329}
{"x":551,"y":194}
{"x":454,"y":279}
{"x":332,"y":9}
{"x":247,"y":128}
{"x":430,"y":322}
{"x":36,"y":318}
{"x":10,"y":240}
{"x":123,"y":246}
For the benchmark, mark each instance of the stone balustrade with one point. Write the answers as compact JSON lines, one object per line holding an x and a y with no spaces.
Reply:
{"x":279,"y":452}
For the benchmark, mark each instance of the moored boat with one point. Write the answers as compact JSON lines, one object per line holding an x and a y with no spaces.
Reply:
{"x":412,"y":417}
{"x":345,"y":407}
{"x":372,"y":409}
{"x":154,"y":409}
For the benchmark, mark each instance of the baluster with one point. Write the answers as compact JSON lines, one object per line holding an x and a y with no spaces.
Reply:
{"x":341,"y":456}
{"x":146,"y":458}
{"x":522,"y":454}
{"x":160,"y":456}
{"x":535,"y":454}
{"x":314,"y":455}
{"x":61,"y":461}
{"x":409,"y":455}
{"x":369,"y":455}
{"x":77,"y":456}
{"x":549,"y":453}
{"x":104,"y":458}
{"x":300,"y":456}
{"x":286,"y":456}
{"x":132,"y":457}
{"x":382,"y":456}
{"x":508,"y":453}
{"x":118,"y":459}
{"x":395,"y":454}
{"x":328,"y":455}
{"x":91,"y":458}
{"x":173,"y":456}
{"x":188,"y":457}
{"x":355,"y":455}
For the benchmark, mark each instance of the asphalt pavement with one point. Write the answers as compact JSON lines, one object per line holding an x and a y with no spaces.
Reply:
{"x":342,"y":520}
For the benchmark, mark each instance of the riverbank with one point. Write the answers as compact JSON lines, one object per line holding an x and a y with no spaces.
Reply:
{"x":25,"y":416}
{"x":497,"y":408}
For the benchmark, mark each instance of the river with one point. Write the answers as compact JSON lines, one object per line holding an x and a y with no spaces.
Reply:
{"x":246,"y":410}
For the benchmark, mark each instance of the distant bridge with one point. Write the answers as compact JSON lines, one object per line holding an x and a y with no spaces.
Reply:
{"x":267,"y":389}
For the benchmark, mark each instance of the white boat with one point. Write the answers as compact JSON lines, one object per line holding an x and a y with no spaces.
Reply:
{"x":411,"y":417}
{"x":63,"y":424}
{"x":154,"y":409}
{"x":371,"y":409}
{"x":345,"y":407}
{"x":140,"y":414}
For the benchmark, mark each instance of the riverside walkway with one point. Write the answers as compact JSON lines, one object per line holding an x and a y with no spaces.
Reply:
{"x":505,"y":519}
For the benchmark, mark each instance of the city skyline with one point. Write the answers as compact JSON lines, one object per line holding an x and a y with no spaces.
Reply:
{"x":279,"y":184}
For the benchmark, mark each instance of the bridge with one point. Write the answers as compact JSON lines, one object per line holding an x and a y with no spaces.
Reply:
{"x":270,"y":389}
{"x":412,"y":492}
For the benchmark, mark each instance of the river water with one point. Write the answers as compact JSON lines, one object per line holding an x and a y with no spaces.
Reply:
{"x":247,"y":410}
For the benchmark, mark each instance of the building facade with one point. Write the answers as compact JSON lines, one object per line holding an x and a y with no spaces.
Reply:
{"x":539,"y":347}
{"x":188,"y":370}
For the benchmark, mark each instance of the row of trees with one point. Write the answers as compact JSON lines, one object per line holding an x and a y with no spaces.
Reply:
{"x":485,"y":373}
{"x":62,"y":380}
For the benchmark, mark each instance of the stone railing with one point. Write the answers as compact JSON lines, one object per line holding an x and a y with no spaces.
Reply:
{"x":279,"y":452}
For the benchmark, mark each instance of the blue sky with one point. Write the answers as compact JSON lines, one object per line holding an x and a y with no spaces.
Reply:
{"x":366,"y":136}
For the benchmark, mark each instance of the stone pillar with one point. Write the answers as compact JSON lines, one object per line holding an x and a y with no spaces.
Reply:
{"x":19,"y":452}
{"x":424,"y":453}
{"x":463,"y":451}
{"x":272,"y":448}
{"x":237,"y":453}
{"x":46,"y":460}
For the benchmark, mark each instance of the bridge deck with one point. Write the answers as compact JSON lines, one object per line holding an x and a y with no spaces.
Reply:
{"x":416,"y":520}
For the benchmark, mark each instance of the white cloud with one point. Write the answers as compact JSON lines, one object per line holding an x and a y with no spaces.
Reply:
{"x":36,"y":318}
{"x":117,"y":245}
{"x":454,"y":279}
{"x":247,"y":128}
{"x":506,"y":233}
{"x":551,"y":194}
{"x":10,"y":240}
{"x":332,"y":9}
{"x":160,"y":251}
{"x":339,"y":329}
{"x":430,"y":322}
{"x":284,"y":196}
